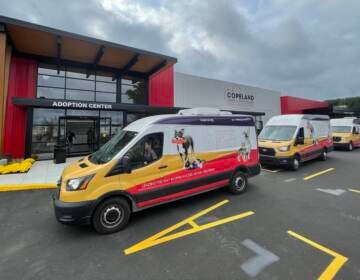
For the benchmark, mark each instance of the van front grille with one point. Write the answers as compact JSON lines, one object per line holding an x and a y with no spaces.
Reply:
{"x":267,"y":151}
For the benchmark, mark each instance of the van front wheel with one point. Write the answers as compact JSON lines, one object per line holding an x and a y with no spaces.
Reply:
{"x":111,"y":215}
{"x":295,"y":163}
{"x":238,"y":183}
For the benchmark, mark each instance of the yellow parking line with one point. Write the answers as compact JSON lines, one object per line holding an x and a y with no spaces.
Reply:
{"x":334,"y":266}
{"x":165,"y":235}
{"x":24,"y":187}
{"x":352,"y":190}
{"x":318,"y":173}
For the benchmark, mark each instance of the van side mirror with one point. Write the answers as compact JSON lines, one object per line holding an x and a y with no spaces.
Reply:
{"x":299,"y":141}
{"x":125,"y":164}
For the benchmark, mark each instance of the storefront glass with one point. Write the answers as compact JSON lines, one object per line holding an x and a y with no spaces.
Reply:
{"x":79,"y":84}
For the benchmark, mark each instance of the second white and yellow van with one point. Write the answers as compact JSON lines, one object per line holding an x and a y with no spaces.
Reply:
{"x":289,"y":140}
{"x":346,"y":132}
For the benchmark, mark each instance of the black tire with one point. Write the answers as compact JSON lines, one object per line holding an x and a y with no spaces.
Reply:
{"x":295,"y":163}
{"x":111,"y":215}
{"x":350,"y":147}
{"x":323,"y":155}
{"x":238,"y":183}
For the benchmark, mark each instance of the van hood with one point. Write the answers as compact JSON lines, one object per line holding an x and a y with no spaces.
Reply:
{"x":341,"y":134}
{"x":273,"y":143}
{"x":80,"y":168}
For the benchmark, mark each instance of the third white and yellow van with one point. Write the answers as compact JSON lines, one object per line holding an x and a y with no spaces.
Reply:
{"x":346,"y":133}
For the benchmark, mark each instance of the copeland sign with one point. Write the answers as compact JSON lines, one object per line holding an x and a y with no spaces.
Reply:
{"x":238,"y":96}
{"x":81,"y":105}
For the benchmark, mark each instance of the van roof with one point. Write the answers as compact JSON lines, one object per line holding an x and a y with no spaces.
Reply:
{"x":345,"y":121}
{"x":295,"y":119}
{"x":227,"y":120}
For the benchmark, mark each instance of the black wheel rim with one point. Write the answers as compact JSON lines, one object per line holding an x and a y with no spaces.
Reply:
{"x":111,"y":216}
{"x":239,"y":183}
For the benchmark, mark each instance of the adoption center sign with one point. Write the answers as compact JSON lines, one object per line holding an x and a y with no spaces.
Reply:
{"x":81,"y":105}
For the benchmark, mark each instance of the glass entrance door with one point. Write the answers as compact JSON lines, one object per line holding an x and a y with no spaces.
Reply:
{"x":79,"y":134}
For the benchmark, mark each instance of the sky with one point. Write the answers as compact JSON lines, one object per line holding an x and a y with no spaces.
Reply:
{"x":302,"y":48}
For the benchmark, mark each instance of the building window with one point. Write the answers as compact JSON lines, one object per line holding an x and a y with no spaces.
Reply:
{"x":79,"y":84}
{"x":133,"y":92}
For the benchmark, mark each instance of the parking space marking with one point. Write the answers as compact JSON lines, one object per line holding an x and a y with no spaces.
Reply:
{"x":164,"y":236}
{"x":269,"y":170}
{"x":25,"y":187}
{"x":318,"y":173}
{"x":353,"y":190}
{"x":338,"y":261}
{"x":290,"y":180}
{"x":336,"y":192}
{"x":258,"y":263}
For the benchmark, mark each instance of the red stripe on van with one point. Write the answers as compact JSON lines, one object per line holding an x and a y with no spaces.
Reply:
{"x":167,"y":198}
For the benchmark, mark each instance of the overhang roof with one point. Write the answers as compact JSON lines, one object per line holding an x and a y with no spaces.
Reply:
{"x":53,"y":45}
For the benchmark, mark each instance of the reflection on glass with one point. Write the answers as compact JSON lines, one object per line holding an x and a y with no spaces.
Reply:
{"x":42,"y":133}
{"x":105,"y":97}
{"x":50,"y":70}
{"x":93,"y":113}
{"x":117,"y":118}
{"x":79,"y":74}
{"x":135,"y":94}
{"x":51,"y":93}
{"x":47,"y":116}
{"x":107,"y":87}
{"x":80,"y":84}
{"x":51,"y":81}
{"x":73,"y":94}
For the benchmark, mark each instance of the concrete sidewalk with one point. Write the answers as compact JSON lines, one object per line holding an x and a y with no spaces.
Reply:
{"x":42,"y":172}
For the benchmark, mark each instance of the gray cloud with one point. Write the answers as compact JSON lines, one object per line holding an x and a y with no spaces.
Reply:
{"x":305,"y":48}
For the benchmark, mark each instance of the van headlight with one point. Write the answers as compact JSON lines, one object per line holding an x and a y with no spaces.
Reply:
{"x":284,"y":148}
{"x":80,"y":183}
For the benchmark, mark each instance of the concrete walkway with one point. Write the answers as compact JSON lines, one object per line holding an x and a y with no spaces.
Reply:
{"x":42,"y":172}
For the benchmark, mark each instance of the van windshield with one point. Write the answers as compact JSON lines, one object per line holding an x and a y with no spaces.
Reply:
{"x":341,"y":129}
{"x":112,"y":147}
{"x":277,"y":132}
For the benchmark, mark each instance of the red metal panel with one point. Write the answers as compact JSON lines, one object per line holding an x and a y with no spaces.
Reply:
{"x":161,"y":88}
{"x":22,"y":83}
{"x":296,"y":105}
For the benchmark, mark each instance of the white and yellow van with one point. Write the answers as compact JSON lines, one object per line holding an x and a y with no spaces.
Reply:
{"x":156,"y":160}
{"x":289,"y":140}
{"x":346,"y":132}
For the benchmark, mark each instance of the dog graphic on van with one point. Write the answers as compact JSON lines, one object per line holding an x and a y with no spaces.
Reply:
{"x":245,"y":147}
{"x":185,"y":147}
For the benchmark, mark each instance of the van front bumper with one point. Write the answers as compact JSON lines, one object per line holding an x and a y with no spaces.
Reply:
{"x":73,"y":212}
{"x":341,"y":145}
{"x":277,"y":161}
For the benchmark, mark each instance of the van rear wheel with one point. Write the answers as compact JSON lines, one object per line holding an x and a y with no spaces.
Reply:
{"x":323,"y":155}
{"x":238,"y":183}
{"x":111,"y":215}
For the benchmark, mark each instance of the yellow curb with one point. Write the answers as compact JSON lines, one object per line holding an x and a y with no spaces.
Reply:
{"x":24,"y":187}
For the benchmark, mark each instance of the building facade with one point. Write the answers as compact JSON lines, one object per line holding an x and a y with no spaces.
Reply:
{"x":60,"y":88}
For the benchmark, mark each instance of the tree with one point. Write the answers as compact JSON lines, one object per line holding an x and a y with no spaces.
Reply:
{"x":138,"y":93}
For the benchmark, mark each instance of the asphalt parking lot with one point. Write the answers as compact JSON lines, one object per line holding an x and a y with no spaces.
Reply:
{"x":288,"y":225}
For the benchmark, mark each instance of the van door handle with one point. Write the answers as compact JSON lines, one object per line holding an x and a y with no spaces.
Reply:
{"x":163,"y":166}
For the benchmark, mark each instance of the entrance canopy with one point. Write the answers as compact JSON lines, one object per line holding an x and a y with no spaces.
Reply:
{"x":52,"y":46}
